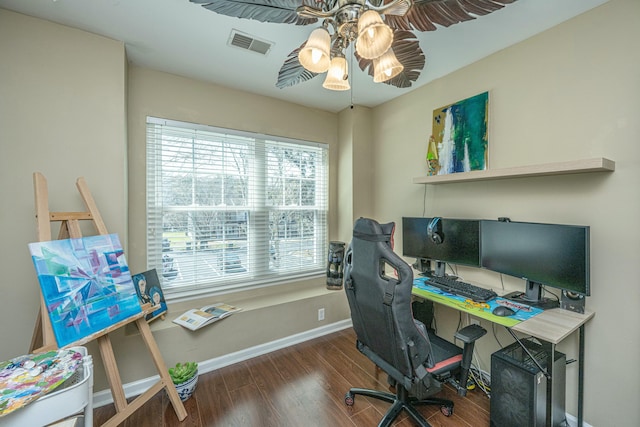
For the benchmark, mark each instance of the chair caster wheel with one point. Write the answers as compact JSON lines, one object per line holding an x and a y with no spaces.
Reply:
{"x":349,"y":399}
{"x":446,"y":410}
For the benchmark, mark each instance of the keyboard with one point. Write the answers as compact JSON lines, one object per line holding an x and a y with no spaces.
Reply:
{"x":462,"y":289}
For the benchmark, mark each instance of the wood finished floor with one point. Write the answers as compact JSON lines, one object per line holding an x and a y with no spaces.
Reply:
{"x":302,"y":385}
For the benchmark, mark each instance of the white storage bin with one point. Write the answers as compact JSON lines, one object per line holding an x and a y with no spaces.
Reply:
{"x":74,"y":396}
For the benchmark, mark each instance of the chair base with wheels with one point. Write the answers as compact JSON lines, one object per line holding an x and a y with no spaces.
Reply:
{"x":452,"y":359}
{"x":399,"y":401}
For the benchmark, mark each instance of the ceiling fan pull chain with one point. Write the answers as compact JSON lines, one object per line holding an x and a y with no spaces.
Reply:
{"x":350,"y":78}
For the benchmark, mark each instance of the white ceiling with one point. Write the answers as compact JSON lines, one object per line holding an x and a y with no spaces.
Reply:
{"x":179,"y":37}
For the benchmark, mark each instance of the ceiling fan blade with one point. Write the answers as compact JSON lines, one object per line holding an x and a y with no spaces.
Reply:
{"x":407,"y":50}
{"x":391,"y":7}
{"x":276,"y":11}
{"x":425,"y":14}
{"x":292,"y":72}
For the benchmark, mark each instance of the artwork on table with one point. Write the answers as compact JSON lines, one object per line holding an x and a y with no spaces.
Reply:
{"x":460,"y":136}
{"x":149,"y":290}
{"x":86,"y":285}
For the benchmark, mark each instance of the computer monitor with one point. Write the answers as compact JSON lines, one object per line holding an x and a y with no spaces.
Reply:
{"x":543,"y":254}
{"x":458,"y":240}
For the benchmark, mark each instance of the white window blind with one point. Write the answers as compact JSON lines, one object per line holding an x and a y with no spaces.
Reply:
{"x":229,"y":209}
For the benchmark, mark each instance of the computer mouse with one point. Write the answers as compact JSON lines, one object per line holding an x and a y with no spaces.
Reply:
{"x":501,"y":310}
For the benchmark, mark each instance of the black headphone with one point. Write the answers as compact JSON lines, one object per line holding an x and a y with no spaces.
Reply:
{"x":434,"y":230}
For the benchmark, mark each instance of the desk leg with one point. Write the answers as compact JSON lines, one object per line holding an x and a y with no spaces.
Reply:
{"x":550,"y":350}
{"x":580,"y":376}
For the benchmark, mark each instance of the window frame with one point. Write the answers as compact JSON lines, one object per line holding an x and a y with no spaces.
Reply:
{"x":257,"y":273}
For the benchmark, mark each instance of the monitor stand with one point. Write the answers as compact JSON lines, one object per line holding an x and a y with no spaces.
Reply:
{"x":441,"y":269}
{"x":543,"y":304}
{"x":533,"y":297}
{"x":424,"y":266}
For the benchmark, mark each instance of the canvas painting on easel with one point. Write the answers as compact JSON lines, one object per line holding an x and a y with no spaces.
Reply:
{"x":86,"y":285}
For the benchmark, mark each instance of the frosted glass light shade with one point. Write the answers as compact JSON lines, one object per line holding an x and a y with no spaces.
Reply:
{"x":338,"y":75}
{"x":386,"y":67}
{"x":314,"y":56}
{"x":374,"y":36}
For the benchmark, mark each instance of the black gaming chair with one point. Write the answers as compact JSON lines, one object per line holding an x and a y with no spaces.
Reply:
{"x":378,"y":285}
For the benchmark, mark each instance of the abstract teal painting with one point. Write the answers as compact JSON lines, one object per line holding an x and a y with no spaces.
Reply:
{"x":460,"y":134}
{"x":86,"y":285}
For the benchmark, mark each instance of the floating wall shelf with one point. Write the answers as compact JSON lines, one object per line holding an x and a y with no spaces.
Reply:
{"x":598,"y":164}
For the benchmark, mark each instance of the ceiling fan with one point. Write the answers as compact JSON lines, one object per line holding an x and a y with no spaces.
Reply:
{"x":385,"y":47}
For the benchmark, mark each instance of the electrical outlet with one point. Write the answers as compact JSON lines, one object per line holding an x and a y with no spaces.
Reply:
{"x":320,"y":314}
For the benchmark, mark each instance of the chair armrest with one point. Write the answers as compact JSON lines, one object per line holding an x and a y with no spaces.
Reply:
{"x":470,"y":333}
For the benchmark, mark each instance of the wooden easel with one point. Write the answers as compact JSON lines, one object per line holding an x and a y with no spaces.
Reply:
{"x":44,"y":338}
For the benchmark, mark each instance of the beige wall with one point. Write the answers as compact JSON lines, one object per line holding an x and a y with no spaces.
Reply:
{"x":345,"y":173}
{"x":68,"y":109}
{"x":267,"y":312}
{"x":566,"y":94}
{"x":355,"y":197}
{"x":153,"y":93}
{"x":62,"y":113}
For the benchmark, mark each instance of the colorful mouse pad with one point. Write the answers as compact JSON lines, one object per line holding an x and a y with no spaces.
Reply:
{"x":26,"y":378}
{"x":479,"y":309}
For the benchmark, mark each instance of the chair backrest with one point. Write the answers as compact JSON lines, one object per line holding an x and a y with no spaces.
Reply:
{"x":378,"y":285}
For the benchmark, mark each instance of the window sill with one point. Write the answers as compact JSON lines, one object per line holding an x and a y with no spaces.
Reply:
{"x":247,"y":300}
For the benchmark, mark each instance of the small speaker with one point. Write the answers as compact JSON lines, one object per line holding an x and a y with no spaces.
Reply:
{"x":572,"y":301}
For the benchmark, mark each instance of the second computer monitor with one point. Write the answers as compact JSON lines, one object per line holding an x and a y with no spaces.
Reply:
{"x":555,"y":255}
{"x":455,"y":241}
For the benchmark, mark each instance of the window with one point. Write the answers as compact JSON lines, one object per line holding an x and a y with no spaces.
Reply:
{"x":229,"y":209}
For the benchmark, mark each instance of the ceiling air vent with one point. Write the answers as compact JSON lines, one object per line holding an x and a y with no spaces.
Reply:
{"x":247,"y":42}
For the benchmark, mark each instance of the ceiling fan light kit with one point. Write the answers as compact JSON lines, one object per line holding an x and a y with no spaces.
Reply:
{"x":381,"y":31}
{"x":373,"y":40}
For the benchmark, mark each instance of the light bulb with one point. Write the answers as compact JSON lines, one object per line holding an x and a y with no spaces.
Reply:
{"x":388,"y":72}
{"x":371,"y":32}
{"x":316,"y":55}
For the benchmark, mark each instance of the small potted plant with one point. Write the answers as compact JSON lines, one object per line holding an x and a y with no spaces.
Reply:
{"x":185,"y":378}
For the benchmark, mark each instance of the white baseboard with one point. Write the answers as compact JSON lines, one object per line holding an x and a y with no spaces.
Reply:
{"x":573,"y":421}
{"x":135,"y":388}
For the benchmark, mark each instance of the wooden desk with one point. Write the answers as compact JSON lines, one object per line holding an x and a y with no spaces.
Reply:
{"x":550,"y":327}
{"x":553,"y":325}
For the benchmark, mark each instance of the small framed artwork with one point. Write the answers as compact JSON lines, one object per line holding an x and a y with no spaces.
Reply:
{"x":148,"y":288}
{"x":459,"y":136}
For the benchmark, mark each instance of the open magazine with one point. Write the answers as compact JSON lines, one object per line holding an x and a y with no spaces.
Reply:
{"x":196,"y":318}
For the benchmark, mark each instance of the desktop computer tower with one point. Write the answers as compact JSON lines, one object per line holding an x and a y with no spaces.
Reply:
{"x":519,"y":388}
